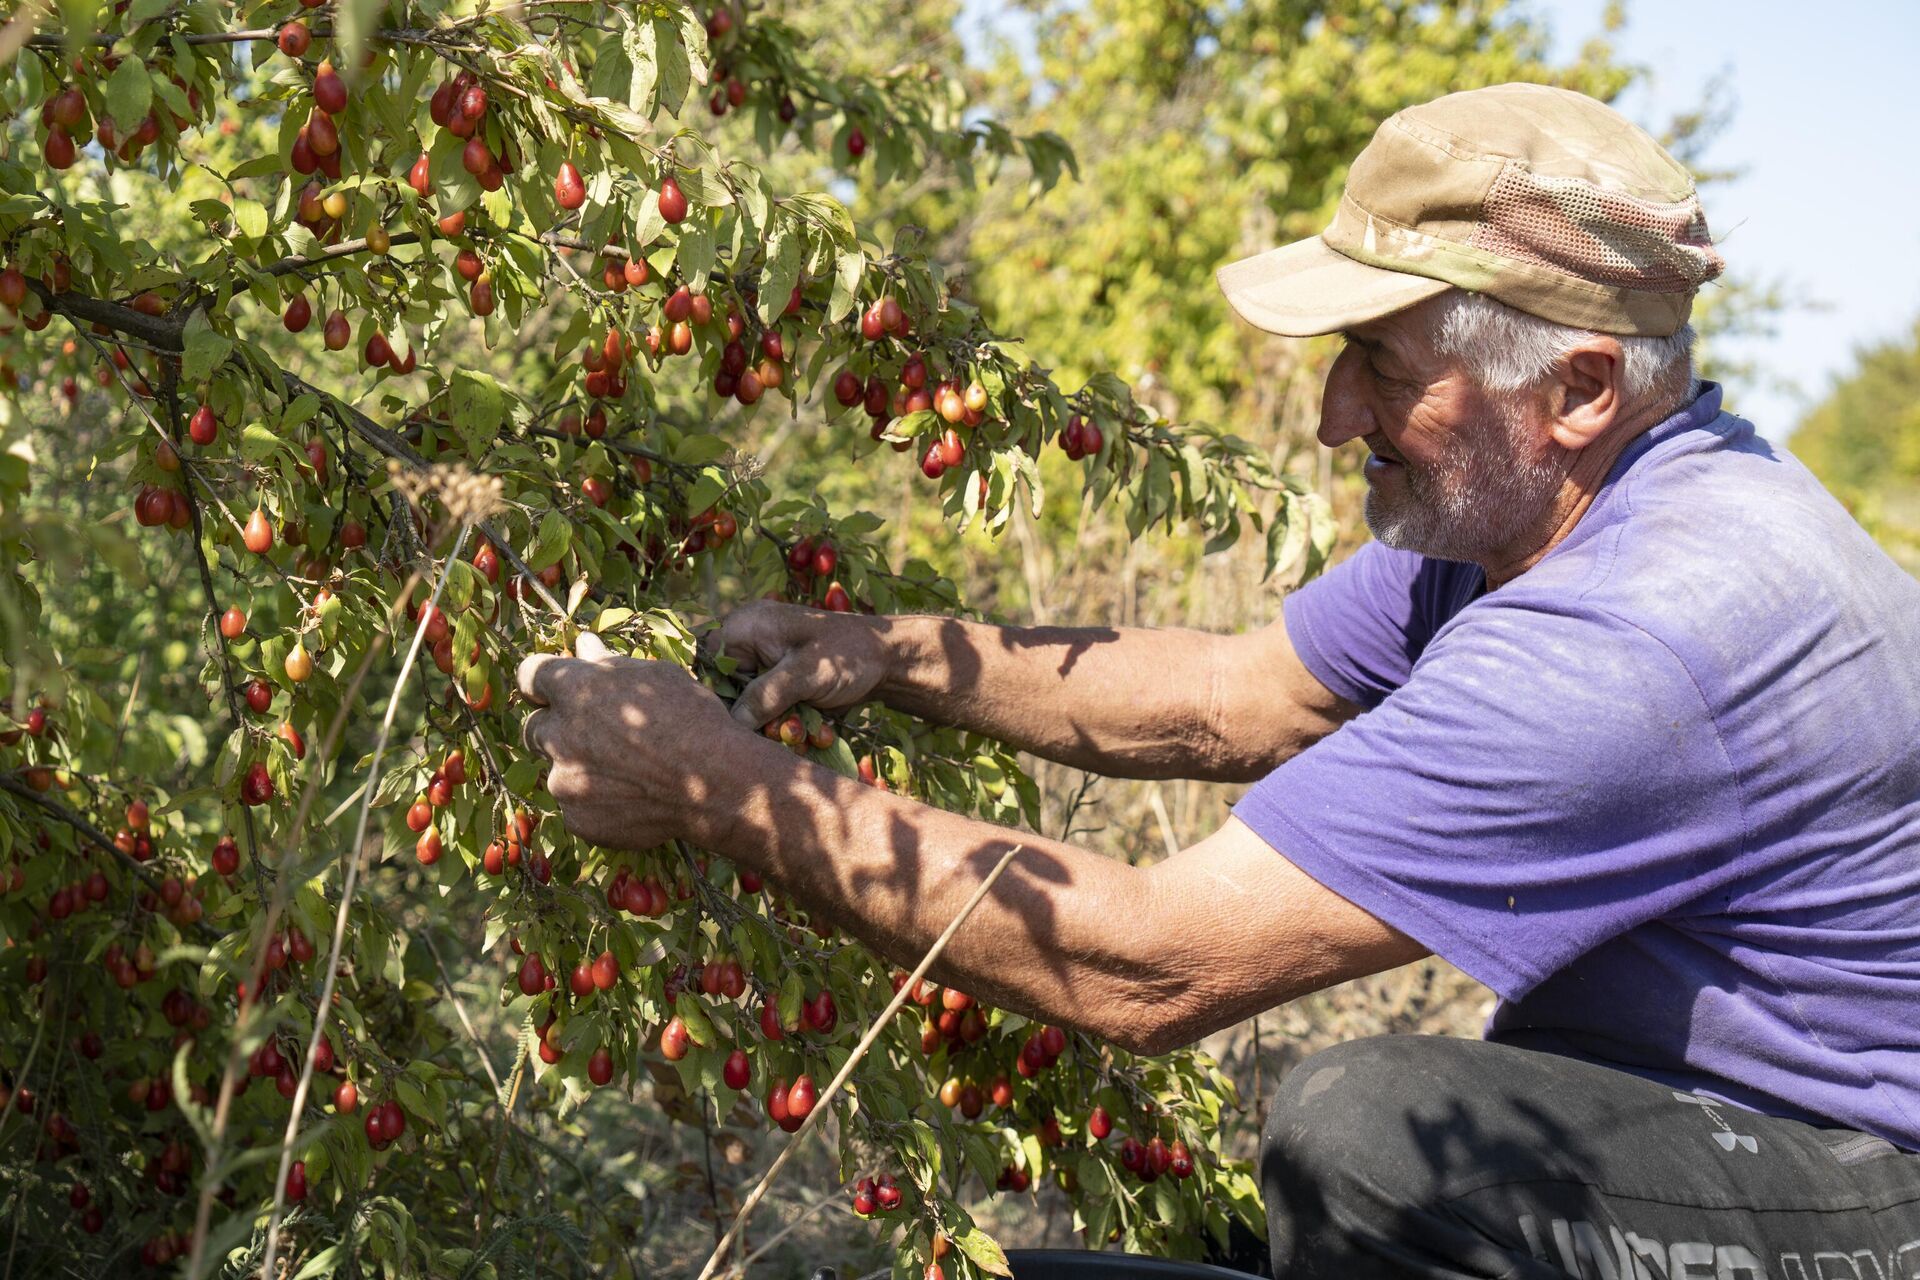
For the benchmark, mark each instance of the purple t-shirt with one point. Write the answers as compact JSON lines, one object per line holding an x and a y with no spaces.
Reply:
{"x":1661,"y":792}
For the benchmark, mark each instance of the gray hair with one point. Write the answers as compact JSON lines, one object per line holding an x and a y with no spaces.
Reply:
{"x":1509,"y":351}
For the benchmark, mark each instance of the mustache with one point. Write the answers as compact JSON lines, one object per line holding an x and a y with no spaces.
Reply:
{"x":1378,"y":444}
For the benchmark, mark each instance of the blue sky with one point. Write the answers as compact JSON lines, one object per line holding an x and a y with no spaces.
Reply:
{"x":1825,"y":128}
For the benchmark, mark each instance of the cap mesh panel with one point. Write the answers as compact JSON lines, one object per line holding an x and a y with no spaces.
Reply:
{"x":1572,"y":226}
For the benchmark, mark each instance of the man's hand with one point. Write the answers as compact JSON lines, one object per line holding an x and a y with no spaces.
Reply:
{"x":827,"y":660}
{"x":638,"y":749}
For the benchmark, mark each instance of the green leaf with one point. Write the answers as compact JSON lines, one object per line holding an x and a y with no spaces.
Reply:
{"x":985,"y":1253}
{"x":676,"y":73}
{"x":129,"y":93}
{"x":705,"y":491}
{"x":550,"y":542}
{"x":782,"y":272}
{"x":696,"y":255}
{"x":205,"y":350}
{"x":693,"y":39}
{"x":250,"y":216}
{"x":848,"y":269}
{"x":476,"y":405}
{"x":258,"y":443}
{"x":648,"y":224}
{"x":696,"y":1021}
{"x":1320,"y":519}
{"x":326,"y":1262}
{"x":453,"y":187}
{"x":639,"y":41}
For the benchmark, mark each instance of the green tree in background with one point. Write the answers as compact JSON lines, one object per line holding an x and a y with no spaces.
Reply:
{"x":1863,"y":440}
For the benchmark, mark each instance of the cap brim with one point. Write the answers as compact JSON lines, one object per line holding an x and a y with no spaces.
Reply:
{"x":1304,"y":289}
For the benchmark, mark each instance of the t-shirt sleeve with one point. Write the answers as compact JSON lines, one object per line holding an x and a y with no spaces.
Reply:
{"x":1543,"y":782}
{"x":1357,"y":626}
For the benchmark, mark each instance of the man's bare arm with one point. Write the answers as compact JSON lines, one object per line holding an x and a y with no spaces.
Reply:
{"x":1126,"y":702}
{"x":1148,"y":957}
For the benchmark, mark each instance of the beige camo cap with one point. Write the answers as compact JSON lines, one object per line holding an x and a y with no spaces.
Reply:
{"x":1545,"y":199}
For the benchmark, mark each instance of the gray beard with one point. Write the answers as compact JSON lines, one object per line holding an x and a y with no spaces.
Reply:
{"x":1477,"y":504}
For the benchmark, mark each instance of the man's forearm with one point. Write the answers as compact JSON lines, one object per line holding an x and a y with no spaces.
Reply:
{"x":1048,"y":940}
{"x":1125,"y":702}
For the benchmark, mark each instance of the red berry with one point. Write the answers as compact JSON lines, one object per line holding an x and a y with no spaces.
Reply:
{"x":533,"y":976}
{"x":820,"y":1013}
{"x":569,"y":191}
{"x":294,"y":39}
{"x":673,"y":204}
{"x":801,"y":1098}
{"x":736,"y":1071}
{"x":258,"y":534}
{"x":600,"y":1067}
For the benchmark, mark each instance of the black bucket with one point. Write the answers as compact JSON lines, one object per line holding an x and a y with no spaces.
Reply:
{"x":1078,"y":1264}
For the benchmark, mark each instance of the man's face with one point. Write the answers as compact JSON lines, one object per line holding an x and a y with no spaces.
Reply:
{"x":1455,"y":473}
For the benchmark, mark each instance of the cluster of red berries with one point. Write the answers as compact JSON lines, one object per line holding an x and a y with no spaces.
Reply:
{"x":459,"y":106}
{"x":788,"y":1105}
{"x":792,"y":732}
{"x":452,"y":773}
{"x":268,"y":1062}
{"x":960,"y":1020}
{"x":384,"y":1124}
{"x":812,"y":564}
{"x":154,"y":506}
{"x":316,"y":147}
{"x":65,"y":115}
{"x":740,"y":375}
{"x":637,"y":895}
{"x":1042,"y":1049}
{"x":875,"y":1195}
{"x":1154,"y":1157}
{"x":128,"y":968}
{"x":92,"y":1216}
{"x":1013,"y":1178}
{"x":818,"y":1014}
{"x":1081,"y":438}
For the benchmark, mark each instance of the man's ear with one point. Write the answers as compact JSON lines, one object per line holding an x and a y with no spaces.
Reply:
{"x":1585,"y":395}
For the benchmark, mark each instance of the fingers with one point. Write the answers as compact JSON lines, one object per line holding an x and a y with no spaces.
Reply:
{"x":530,"y":731}
{"x":771,"y":694}
{"x":749,"y":634}
{"x":536,"y":677}
{"x":540,"y":673}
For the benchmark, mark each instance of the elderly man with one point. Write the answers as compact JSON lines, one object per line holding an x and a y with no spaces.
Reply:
{"x":1619,"y":713}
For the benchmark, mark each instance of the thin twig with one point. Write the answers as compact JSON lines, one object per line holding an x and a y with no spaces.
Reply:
{"x":820,"y":1108}
{"x":346,"y":902}
{"x":766,"y":1246}
{"x":269,"y":918}
{"x":459,"y":1007}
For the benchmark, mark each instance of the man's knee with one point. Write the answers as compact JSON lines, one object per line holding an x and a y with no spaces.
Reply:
{"x":1352,"y":1105}
{"x":1346,"y":1151}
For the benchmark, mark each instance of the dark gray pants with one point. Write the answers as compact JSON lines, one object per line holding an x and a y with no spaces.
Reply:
{"x":1405,"y":1156}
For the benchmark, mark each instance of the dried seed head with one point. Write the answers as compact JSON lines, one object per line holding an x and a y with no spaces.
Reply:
{"x":467,"y":496}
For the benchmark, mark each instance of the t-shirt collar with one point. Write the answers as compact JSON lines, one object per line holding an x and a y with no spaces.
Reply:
{"x":1704,"y":408}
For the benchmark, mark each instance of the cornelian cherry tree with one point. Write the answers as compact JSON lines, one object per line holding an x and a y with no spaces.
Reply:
{"x":449,"y":349}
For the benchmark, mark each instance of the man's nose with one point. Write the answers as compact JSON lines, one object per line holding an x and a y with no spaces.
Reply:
{"x":1343,"y":410}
